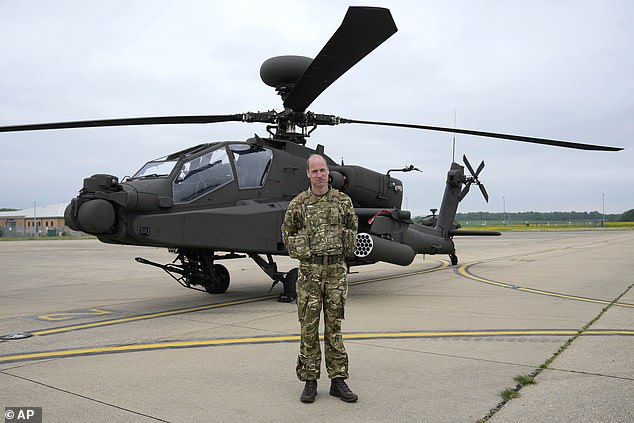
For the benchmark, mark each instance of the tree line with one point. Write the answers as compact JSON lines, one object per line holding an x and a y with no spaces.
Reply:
{"x":532,"y":216}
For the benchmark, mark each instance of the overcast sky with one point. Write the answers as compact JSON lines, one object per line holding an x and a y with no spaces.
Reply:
{"x":551,"y":69}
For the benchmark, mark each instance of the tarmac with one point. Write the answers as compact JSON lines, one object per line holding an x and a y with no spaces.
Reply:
{"x":103,"y":338}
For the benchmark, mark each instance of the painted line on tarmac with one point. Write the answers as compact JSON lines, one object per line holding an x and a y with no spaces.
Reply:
{"x":73,"y":315}
{"x":259,"y":340}
{"x":442,"y":264}
{"x":465,"y":270}
{"x":139,"y":317}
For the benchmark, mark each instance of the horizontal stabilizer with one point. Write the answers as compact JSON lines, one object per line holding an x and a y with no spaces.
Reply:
{"x":474,"y":233}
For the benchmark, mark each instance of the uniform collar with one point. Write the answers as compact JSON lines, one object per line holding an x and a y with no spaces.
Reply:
{"x":313,"y":198}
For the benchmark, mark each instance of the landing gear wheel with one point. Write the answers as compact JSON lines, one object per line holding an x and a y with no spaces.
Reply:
{"x":454,"y":259}
{"x":220,"y":280}
{"x":290,"y":287}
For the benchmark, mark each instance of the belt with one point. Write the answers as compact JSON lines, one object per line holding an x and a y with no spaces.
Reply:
{"x":326,"y":260}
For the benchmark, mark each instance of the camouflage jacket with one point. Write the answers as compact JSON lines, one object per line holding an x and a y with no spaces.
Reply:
{"x":318,"y":226}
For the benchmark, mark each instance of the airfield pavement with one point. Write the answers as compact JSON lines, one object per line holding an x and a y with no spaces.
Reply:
{"x":113,"y":340}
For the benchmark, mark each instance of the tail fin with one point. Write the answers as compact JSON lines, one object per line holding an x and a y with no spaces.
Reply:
{"x":450,"y":199}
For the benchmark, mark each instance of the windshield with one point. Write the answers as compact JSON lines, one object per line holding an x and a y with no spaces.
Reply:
{"x":156,"y":168}
{"x":252,"y":164}
{"x":201,"y":175}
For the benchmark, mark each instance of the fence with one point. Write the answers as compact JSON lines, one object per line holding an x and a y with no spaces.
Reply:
{"x":50,"y":233}
{"x":551,"y":224}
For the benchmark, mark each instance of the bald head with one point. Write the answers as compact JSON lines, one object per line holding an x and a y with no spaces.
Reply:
{"x":317,"y":172}
{"x":315,"y":156}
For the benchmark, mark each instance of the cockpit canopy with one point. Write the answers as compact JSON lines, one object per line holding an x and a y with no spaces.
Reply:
{"x":159,"y":168}
{"x":203,"y":173}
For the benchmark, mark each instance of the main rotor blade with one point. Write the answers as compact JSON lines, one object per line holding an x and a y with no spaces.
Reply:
{"x":156,"y":120}
{"x":545,"y":141}
{"x":363,"y":29}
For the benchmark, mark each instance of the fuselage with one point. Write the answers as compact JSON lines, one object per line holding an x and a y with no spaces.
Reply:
{"x":224,"y":196}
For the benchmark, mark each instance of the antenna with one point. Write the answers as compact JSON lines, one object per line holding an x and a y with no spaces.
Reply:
{"x":453,"y":153}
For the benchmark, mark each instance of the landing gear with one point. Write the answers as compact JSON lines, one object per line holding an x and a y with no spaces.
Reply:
{"x":454,"y":259}
{"x":219,"y":282}
{"x":288,"y":279}
{"x":290,"y":287}
{"x":197,"y":269}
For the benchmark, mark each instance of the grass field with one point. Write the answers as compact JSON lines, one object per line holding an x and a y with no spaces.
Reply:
{"x":550,"y":226}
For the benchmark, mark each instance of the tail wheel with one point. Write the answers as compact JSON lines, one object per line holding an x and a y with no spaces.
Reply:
{"x":290,"y":287}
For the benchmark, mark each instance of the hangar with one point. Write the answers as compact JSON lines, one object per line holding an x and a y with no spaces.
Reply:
{"x":35,"y":221}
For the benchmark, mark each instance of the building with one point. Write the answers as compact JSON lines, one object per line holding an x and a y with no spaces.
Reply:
{"x":36,"y":221}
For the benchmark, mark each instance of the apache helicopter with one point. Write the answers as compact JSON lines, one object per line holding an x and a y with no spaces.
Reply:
{"x":224,"y":200}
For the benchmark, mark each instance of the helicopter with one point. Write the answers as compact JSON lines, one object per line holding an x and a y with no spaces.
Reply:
{"x":227,"y":199}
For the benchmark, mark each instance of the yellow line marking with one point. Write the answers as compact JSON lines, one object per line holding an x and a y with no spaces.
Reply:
{"x":70,"y":315}
{"x":443,"y":265}
{"x":137,"y":347}
{"x":463,"y":270}
{"x":149,"y":316}
{"x":446,"y":334}
{"x":296,"y":338}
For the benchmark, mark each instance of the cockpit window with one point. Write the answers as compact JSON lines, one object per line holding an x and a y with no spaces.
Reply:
{"x":201,"y":175}
{"x":252,"y":164}
{"x":159,"y":168}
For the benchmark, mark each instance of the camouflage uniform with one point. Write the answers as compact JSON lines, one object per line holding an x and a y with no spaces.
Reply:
{"x":320,"y":232}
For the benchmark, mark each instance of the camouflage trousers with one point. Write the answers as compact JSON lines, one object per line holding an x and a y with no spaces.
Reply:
{"x":321,"y":287}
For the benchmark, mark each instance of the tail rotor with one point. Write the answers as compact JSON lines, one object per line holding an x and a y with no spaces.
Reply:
{"x":473,"y":179}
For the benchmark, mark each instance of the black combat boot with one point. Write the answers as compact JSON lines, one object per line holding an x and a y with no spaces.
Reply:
{"x":310,"y":390}
{"x":339,"y":388}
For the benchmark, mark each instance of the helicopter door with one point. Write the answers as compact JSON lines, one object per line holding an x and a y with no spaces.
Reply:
{"x":252,"y":164}
{"x":202,"y":175}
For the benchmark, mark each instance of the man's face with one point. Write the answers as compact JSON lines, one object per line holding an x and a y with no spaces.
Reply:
{"x":317,"y":172}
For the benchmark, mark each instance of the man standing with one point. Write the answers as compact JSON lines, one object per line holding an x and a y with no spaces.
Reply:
{"x":319,"y":229}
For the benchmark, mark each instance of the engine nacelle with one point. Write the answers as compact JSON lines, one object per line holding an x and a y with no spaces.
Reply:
{"x":367,"y":188}
{"x":374,"y":248}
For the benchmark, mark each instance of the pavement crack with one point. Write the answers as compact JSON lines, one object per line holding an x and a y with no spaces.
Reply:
{"x":552,"y":358}
{"x":578,"y":372}
{"x":84,"y":397}
{"x":462,"y":357}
